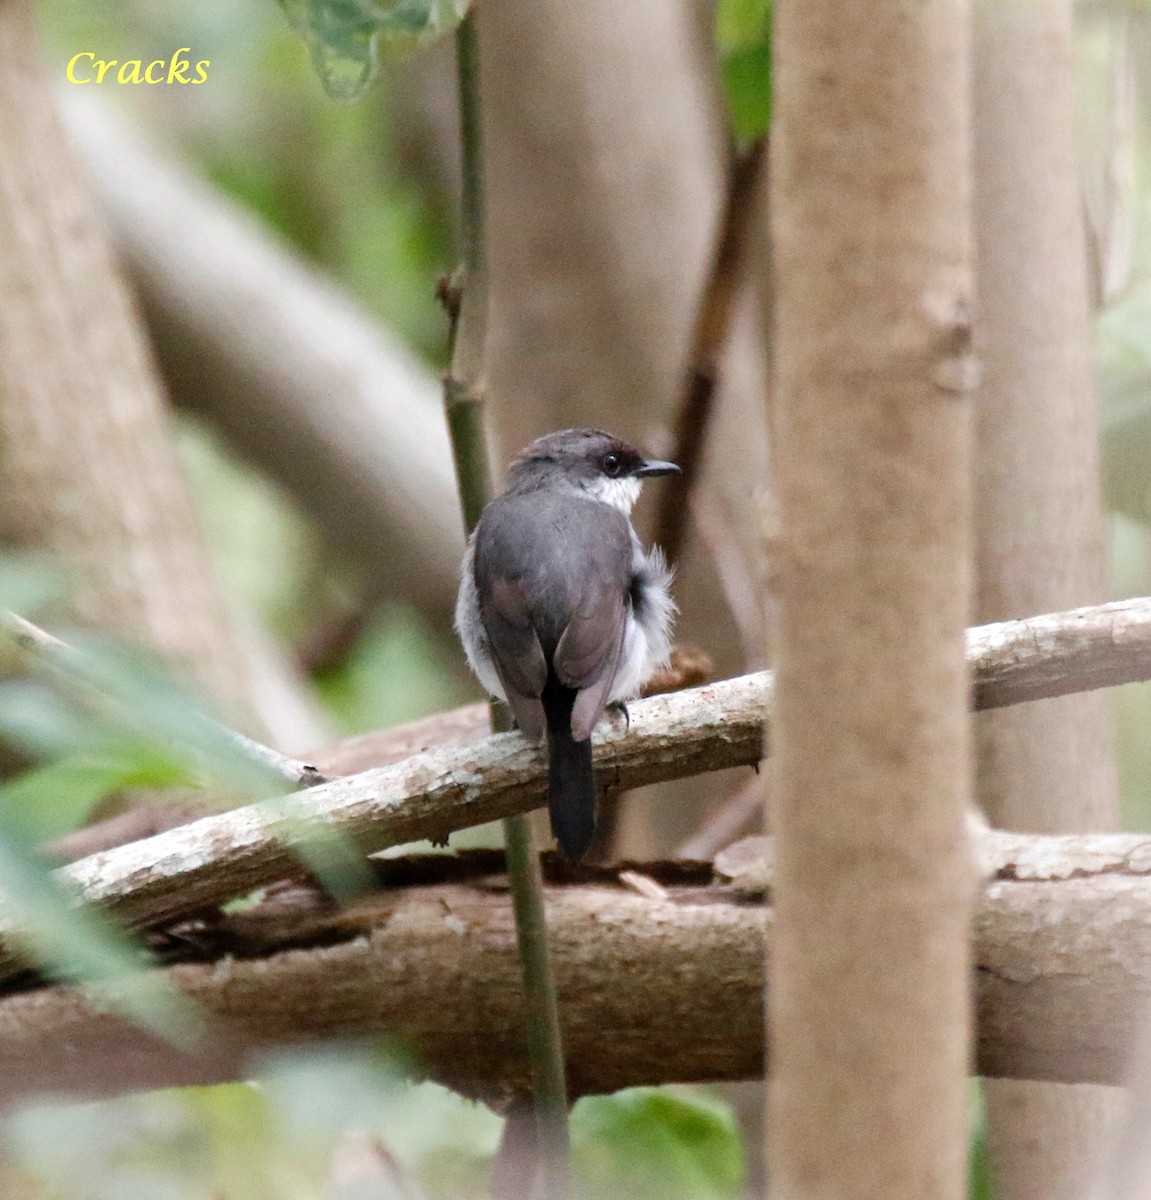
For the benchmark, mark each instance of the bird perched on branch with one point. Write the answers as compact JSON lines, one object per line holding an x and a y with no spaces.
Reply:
{"x":561,"y":611}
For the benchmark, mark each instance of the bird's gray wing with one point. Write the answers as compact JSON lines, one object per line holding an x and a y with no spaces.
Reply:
{"x":588,"y":653}
{"x":516,"y":651}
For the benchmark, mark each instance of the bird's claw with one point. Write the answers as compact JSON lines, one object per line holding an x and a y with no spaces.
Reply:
{"x":617,"y":709}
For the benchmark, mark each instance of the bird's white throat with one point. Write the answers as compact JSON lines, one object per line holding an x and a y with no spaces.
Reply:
{"x":619,"y":493}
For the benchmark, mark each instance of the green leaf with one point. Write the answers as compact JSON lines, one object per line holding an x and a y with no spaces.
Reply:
{"x":150,"y":707}
{"x":657,"y":1143}
{"x":51,"y":799}
{"x":136,"y":698}
{"x":77,"y":944}
{"x":142,"y":729}
{"x":41,"y":723}
{"x":344,"y":36}
{"x":743,"y":39}
{"x":328,"y":853}
{"x":246,"y":1145}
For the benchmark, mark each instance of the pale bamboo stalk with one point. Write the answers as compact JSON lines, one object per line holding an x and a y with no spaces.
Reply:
{"x":869,"y":1022}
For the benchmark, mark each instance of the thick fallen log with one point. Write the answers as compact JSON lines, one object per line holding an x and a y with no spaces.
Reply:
{"x":660,"y":981}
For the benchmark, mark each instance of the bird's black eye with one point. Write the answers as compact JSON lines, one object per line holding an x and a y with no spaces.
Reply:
{"x":612,"y":465}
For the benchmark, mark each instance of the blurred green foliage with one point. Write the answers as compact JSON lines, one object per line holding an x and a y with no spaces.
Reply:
{"x":354,"y":187}
{"x":265,"y":549}
{"x":395,"y":646}
{"x":278,"y":1140}
{"x":94,"y":719}
{"x":79,"y":753}
{"x":656,"y":1143}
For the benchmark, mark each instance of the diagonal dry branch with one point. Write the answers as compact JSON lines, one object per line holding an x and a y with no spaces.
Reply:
{"x":182,"y":871}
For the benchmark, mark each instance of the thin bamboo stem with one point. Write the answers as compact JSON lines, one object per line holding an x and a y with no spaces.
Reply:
{"x":463,"y":401}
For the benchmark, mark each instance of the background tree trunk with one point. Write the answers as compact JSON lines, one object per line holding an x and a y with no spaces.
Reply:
{"x":89,"y":471}
{"x":870,"y":976}
{"x":605,"y":181}
{"x":1048,"y":767}
{"x":301,"y":381}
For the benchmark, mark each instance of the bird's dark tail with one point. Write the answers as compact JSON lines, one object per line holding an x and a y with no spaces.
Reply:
{"x":571,"y":784}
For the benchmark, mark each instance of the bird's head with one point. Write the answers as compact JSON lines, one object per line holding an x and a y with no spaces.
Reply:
{"x":590,"y":460}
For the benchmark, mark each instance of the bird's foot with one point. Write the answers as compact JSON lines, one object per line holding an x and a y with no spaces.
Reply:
{"x":617,"y":709}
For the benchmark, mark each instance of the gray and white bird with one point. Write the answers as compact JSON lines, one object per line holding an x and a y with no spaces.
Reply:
{"x":561,"y":611}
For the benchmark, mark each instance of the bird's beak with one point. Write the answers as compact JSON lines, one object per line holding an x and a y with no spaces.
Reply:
{"x":654,"y":466}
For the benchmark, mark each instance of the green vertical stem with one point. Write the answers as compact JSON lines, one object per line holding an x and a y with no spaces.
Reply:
{"x":463,"y":403}
{"x":472,"y":162}
{"x":466,"y":431}
{"x":544,"y":1042}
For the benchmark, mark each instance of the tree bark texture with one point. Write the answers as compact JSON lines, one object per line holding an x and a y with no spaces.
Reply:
{"x":1048,"y":767}
{"x":869,"y":1021}
{"x":464,"y":781}
{"x":301,"y":381}
{"x":89,"y":470}
{"x":1061,"y":933}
